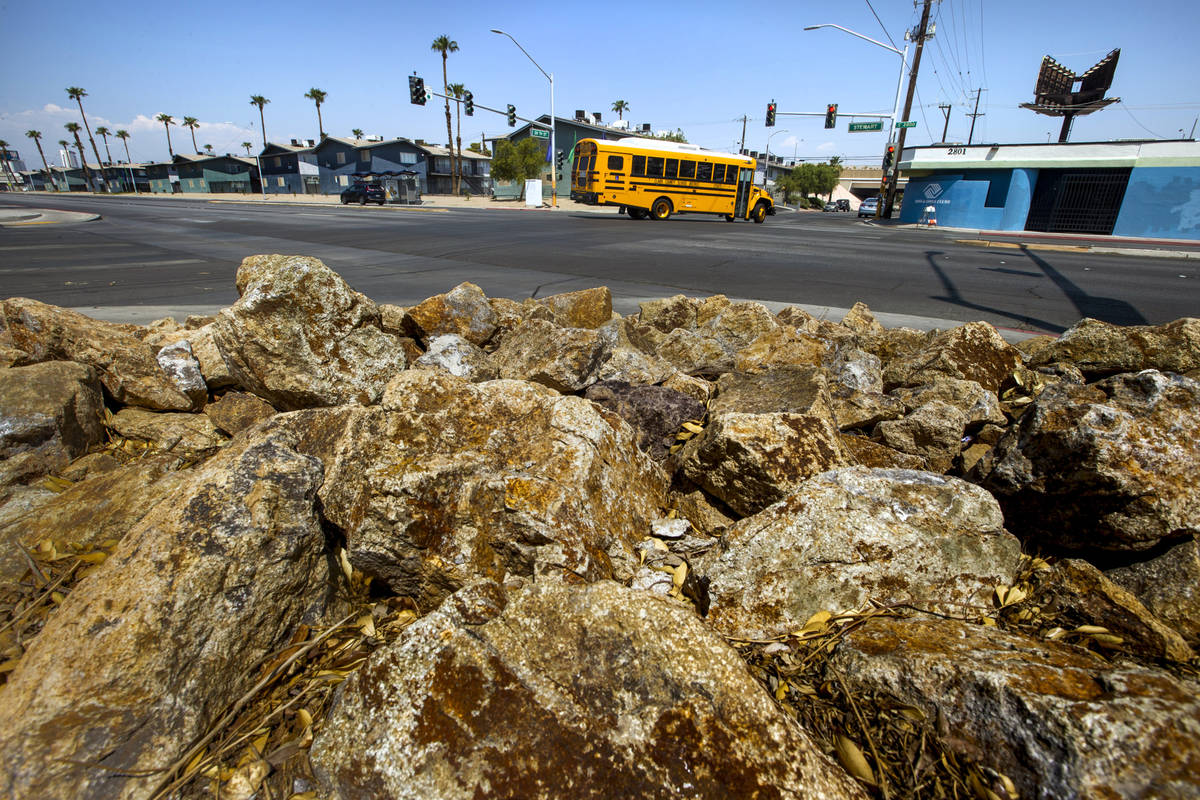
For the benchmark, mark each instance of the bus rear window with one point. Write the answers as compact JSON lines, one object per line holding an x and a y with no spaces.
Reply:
{"x":687,"y":169}
{"x":639,"y":166}
{"x":615,"y":162}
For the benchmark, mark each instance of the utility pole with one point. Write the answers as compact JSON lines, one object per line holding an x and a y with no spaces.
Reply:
{"x":890,"y":200}
{"x":975,"y":114}
{"x":742,"y":146}
{"x":945,"y":109}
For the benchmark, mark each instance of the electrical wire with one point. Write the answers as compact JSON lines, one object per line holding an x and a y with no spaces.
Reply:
{"x":881,"y":25}
{"x":1139,"y":124}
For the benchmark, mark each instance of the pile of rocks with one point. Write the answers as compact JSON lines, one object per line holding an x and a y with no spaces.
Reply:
{"x":585,"y":513}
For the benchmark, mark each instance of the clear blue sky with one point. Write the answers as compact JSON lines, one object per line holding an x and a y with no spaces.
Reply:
{"x":697,"y":66}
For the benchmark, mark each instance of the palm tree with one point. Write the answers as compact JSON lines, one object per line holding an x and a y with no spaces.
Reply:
{"x":12,"y":176}
{"x":167,"y":120}
{"x":123,"y":135}
{"x":66,"y":146}
{"x":260,"y":101}
{"x":37,"y":139}
{"x":458,"y":90}
{"x":73,"y":128}
{"x":104,"y":133}
{"x":208,"y":148}
{"x":445,"y":45}
{"x":192,"y":123}
{"x":318,"y":97}
{"x":77,"y":94}
{"x":247,"y":145}
{"x":357,"y":133}
{"x":620,"y":107}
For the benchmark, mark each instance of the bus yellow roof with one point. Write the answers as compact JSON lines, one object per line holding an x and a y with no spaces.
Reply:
{"x":640,"y":143}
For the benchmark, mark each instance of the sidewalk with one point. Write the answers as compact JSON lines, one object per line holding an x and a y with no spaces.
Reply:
{"x":1065,"y":242}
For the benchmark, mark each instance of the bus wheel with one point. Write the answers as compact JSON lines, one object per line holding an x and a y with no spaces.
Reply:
{"x":760,"y":213}
{"x":729,"y":217}
{"x":661,"y":209}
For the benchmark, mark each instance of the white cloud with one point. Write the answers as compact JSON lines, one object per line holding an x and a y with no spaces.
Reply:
{"x":826,"y":146}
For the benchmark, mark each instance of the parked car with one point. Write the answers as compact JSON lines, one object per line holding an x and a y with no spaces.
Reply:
{"x":868,"y":207}
{"x":830,"y":206}
{"x":363,"y":193}
{"x":843,"y":204}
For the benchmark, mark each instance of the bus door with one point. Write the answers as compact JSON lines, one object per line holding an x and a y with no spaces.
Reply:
{"x":745,"y":179}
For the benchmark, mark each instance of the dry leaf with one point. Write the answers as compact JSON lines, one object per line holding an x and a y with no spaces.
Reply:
{"x":1089,"y":630}
{"x":853,"y":760}
{"x":366,"y":624}
{"x":344,"y":561}
{"x":693,"y":427}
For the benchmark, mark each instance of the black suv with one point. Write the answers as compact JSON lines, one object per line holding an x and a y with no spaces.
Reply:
{"x":363,"y":193}
{"x":843,"y":204}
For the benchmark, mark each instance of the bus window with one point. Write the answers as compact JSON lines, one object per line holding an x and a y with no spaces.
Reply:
{"x":672,"y":169}
{"x":654,"y":166}
{"x":639,"y":166}
{"x":704,"y":172}
{"x":615,"y":162}
{"x":718,"y":175}
{"x":687,"y":169}
{"x":731,"y":174}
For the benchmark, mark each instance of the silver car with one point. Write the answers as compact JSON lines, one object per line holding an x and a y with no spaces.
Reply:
{"x":868,"y":207}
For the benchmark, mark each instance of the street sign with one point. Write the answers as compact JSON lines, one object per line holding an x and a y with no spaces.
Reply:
{"x":912,"y":123}
{"x":538,"y":133}
{"x":855,"y":127}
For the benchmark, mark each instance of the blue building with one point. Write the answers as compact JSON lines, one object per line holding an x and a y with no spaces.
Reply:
{"x":1127,"y":188}
{"x":290,"y":168}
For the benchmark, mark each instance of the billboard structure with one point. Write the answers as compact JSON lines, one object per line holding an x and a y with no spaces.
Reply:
{"x":1055,"y":94}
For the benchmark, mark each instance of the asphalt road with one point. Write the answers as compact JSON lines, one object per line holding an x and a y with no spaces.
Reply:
{"x":146,"y":258}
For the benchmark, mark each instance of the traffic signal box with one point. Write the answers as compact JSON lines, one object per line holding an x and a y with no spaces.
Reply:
{"x":559,"y":158}
{"x":831,"y":115}
{"x":771,"y":114}
{"x":512,"y":116}
{"x":889,"y":156}
{"x":416,"y":90}
{"x":469,"y":104}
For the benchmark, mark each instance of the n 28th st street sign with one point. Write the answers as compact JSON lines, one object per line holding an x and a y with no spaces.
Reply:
{"x":538,"y":133}
{"x":856,"y":127}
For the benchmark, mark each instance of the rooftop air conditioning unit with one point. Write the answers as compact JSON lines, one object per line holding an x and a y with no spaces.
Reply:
{"x":580,"y":115}
{"x":309,"y":143}
{"x":295,"y":142}
{"x":645,"y":127}
{"x":596,"y":116}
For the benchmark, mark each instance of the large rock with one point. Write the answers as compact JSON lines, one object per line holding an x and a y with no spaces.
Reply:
{"x":932,"y":432}
{"x":655,"y":413}
{"x":146,"y":652}
{"x":299,"y":336}
{"x":973,"y":352}
{"x":750,"y":461}
{"x":454,"y":354}
{"x":579,"y":692}
{"x":849,"y":535}
{"x":126,"y":365}
{"x":188,"y":435}
{"x":1169,"y":585}
{"x":978,"y":405}
{"x":701,"y":337}
{"x":790,"y":389}
{"x":97,"y":509}
{"x":1108,"y":466}
{"x":450,"y":480}
{"x":464,"y":310}
{"x":57,"y":403}
{"x":565,"y":359}
{"x":782,"y":346}
{"x":234,"y":412}
{"x":587,"y":308}
{"x":1101,"y":348}
{"x":1057,"y":720}
{"x":181,"y":366}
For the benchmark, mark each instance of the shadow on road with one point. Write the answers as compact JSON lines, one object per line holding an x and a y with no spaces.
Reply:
{"x":1108,"y":309}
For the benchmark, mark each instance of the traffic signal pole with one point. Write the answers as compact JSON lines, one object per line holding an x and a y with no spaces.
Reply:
{"x":890,"y":199}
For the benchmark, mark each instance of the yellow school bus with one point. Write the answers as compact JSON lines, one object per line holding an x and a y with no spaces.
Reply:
{"x":652,"y":178}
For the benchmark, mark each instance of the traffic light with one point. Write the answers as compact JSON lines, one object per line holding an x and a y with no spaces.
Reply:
{"x":469,"y":104}
{"x":559,"y":158}
{"x":416,"y":90}
{"x":512,"y":115}
{"x":771,"y":114}
{"x":889,"y":156}
{"x":831,"y":115}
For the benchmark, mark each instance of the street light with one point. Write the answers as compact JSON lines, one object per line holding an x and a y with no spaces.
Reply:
{"x":903,"y":63}
{"x":553,"y":139}
{"x":767,"y":156}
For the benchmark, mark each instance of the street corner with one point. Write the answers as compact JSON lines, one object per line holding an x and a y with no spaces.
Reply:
{"x":19,"y":217}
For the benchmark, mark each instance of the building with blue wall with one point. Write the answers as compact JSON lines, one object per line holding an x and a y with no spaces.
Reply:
{"x":289,"y":169}
{"x":1133,"y":188}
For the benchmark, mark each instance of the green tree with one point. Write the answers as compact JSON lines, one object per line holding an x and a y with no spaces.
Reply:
{"x":104,"y":133}
{"x":37,"y":139}
{"x":620,"y":107}
{"x":208,"y":148}
{"x":260,"y":101}
{"x":357,"y":133}
{"x":247,"y":145}
{"x":458,"y":90}
{"x":809,"y":179}
{"x":123,"y":135}
{"x":167,"y":120}
{"x":445,"y":45}
{"x":77,"y":94}
{"x":518,"y":162}
{"x":191,"y":123}
{"x":8,"y":170}
{"x":318,"y":97}
{"x":73,"y":128}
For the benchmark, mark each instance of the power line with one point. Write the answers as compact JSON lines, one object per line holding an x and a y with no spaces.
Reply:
{"x":885,"y":30}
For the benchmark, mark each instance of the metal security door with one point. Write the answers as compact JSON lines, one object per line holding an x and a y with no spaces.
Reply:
{"x":1077,"y":201}
{"x":740,"y":203}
